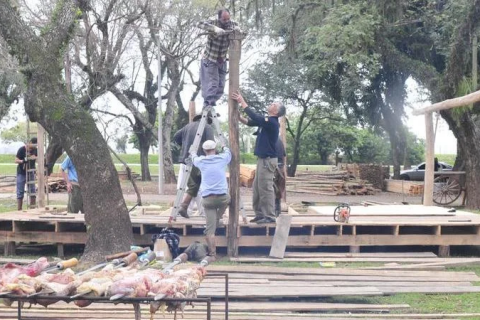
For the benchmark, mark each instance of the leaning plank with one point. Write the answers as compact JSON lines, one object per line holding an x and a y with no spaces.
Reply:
{"x":280,"y":238}
{"x":389,"y":210}
{"x":454,"y":262}
{"x":431,"y":290}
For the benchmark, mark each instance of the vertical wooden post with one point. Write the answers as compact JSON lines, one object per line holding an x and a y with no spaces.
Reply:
{"x":234,"y":53}
{"x":429,"y":160}
{"x":283,"y":136}
{"x":191,"y":111}
{"x":40,"y":166}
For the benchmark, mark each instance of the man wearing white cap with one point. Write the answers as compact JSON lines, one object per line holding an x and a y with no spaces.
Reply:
{"x":213,"y":188}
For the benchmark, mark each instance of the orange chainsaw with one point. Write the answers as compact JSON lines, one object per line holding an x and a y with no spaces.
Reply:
{"x":342,"y":213}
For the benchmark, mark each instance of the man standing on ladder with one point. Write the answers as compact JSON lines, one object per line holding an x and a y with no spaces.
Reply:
{"x":213,"y":67}
{"x":266,"y":152}
{"x":184,"y":138}
{"x":25,"y":160}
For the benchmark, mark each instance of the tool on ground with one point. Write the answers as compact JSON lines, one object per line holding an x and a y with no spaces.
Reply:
{"x":208,"y":112}
{"x":62,"y":265}
{"x":132,"y":257}
{"x":342,"y":213}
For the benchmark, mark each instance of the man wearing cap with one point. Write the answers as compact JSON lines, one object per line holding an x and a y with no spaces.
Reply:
{"x":266,"y":152}
{"x":213,"y":66}
{"x":213,"y":188}
{"x":185,"y":137}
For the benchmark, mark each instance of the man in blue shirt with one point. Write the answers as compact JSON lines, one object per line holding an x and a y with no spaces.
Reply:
{"x":266,"y":152}
{"x":75,"y":200}
{"x":213,"y":188}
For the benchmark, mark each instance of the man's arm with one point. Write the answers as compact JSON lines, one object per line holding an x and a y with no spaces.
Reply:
{"x":256,"y":119}
{"x":19,"y":157}
{"x":209,"y":25}
{"x":226,"y":154}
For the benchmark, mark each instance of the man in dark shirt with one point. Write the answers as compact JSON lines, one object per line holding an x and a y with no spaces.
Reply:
{"x":25,"y":160}
{"x":266,"y":151}
{"x":185,"y":137}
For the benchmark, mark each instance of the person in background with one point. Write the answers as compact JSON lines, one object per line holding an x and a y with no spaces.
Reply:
{"x":75,"y":200}
{"x":266,"y":152}
{"x":214,"y":189}
{"x":25,"y":160}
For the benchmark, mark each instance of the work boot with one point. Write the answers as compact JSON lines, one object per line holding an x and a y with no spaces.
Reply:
{"x":212,"y":248}
{"x":19,"y":204}
{"x":183,"y":210}
{"x":33,"y":201}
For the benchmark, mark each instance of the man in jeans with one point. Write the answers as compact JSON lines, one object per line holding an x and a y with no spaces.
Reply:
{"x":266,"y":152}
{"x":25,"y":160}
{"x":75,"y":200}
{"x":213,"y":188}
{"x":213,"y":66}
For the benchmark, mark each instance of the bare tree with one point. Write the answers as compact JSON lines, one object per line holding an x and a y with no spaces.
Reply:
{"x":40,"y":55}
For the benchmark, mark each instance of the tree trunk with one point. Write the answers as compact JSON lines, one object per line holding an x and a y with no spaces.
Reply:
{"x":47,"y":102}
{"x":174,"y":76}
{"x":292,"y":169}
{"x":466,"y":131}
{"x":144,"y":146}
{"x":54,"y":151}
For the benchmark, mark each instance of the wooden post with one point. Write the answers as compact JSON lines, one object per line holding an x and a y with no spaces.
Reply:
{"x":191,"y":111}
{"x":429,"y":160}
{"x":475,"y":63}
{"x":41,"y":166}
{"x":283,"y":136}
{"x":234,"y":53}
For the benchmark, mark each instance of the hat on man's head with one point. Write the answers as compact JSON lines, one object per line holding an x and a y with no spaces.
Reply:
{"x":209,"y":145}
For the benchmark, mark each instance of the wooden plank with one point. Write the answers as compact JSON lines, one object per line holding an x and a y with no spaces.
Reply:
{"x":280,"y":238}
{"x":423,"y":261}
{"x":360,"y":255}
{"x":388,"y":210}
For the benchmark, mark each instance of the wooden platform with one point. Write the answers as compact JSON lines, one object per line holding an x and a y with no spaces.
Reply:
{"x":368,"y":226}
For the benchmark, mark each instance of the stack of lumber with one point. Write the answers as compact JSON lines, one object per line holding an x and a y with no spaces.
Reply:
{"x":57,"y":185}
{"x":329,"y":183}
{"x":374,"y":174}
{"x":247,"y":175}
{"x":405,"y":187}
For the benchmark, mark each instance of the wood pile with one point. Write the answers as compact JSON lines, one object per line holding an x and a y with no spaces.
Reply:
{"x":333,"y":183}
{"x":412,"y":188}
{"x":57,"y":185}
{"x":374,"y":174}
{"x":247,"y":175}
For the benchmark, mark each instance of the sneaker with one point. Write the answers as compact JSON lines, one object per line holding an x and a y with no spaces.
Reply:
{"x":257,"y":218}
{"x":266,"y":220}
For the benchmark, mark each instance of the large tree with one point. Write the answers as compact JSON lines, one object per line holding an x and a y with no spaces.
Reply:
{"x":47,"y":101}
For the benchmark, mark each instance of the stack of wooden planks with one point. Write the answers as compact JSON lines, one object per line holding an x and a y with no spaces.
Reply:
{"x":329,"y":183}
{"x":412,"y":188}
{"x":247,"y":174}
{"x":57,"y":185}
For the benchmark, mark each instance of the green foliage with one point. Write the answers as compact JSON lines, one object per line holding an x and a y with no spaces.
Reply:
{"x":248,"y":158}
{"x":18,"y":133}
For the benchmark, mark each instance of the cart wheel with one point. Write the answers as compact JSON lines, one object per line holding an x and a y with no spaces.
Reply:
{"x":446,"y":190}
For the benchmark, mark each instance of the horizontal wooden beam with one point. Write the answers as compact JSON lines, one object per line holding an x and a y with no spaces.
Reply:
{"x":450,"y":103}
{"x":263,"y":241}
